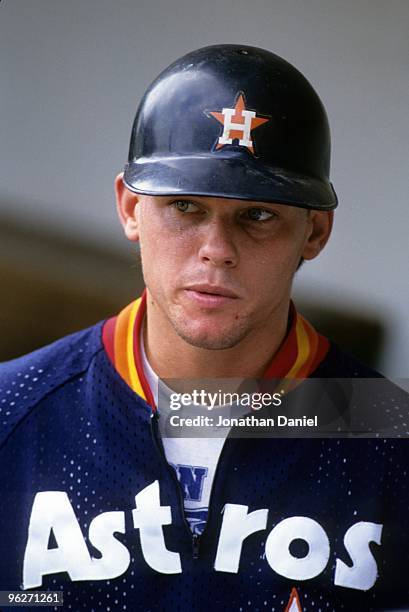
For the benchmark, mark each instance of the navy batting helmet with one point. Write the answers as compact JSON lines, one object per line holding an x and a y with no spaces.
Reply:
{"x":232,"y":121}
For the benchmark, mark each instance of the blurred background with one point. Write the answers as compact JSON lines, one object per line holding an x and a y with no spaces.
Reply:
{"x":72,"y":74}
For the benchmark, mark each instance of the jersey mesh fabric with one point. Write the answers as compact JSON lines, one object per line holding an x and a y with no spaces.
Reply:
{"x":76,"y":426}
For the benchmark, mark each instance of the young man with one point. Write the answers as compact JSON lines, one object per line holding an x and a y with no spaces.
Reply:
{"x":227,"y":192}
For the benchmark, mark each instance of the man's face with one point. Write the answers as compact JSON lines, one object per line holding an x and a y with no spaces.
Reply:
{"x":218,"y":269}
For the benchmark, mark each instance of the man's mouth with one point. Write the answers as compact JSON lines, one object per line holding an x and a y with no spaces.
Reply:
{"x":210,"y":296}
{"x":213,"y":290}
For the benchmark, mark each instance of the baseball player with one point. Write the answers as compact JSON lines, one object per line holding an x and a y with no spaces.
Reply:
{"x":227,"y":192}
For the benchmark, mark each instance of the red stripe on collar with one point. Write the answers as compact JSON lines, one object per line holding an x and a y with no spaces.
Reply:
{"x":300,"y":353}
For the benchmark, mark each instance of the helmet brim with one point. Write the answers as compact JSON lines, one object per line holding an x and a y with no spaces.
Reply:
{"x":228,"y":177}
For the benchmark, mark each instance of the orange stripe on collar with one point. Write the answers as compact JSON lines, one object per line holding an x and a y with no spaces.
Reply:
{"x":311,"y":350}
{"x":300,"y":353}
{"x":120,"y":338}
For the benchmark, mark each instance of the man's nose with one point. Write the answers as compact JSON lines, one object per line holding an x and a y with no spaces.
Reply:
{"x":217,"y":246}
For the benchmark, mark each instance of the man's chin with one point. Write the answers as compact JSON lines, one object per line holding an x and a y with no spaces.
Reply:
{"x":214,"y":339}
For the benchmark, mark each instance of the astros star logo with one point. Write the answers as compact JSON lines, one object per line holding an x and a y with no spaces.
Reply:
{"x":238,"y":123}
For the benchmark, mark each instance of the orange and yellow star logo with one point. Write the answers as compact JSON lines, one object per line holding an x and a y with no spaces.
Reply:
{"x":238,"y":123}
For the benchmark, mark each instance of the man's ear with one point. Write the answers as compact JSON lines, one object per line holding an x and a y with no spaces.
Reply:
{"x":319,"y":231}
{"x":126,"y":204}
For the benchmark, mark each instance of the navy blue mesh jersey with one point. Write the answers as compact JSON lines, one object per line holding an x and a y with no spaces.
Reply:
{"x":90,"y":506}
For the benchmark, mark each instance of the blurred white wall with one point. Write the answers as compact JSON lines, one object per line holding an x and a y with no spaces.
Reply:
{"x":73,"y":72}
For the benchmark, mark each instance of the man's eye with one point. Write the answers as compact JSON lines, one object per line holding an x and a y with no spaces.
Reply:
{"x":258,"y":214}
{"x":185,"y":206}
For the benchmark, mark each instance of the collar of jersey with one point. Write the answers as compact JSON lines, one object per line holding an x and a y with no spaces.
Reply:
{"x":300,"y":353}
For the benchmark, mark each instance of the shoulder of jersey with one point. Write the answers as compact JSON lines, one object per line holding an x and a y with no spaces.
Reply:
{"x":339,"y":364}
{"x":25,"y":381}
{"x":370,"y":387}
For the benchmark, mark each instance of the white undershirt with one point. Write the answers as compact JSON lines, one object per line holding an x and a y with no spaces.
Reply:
{"x":193,"y":459}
